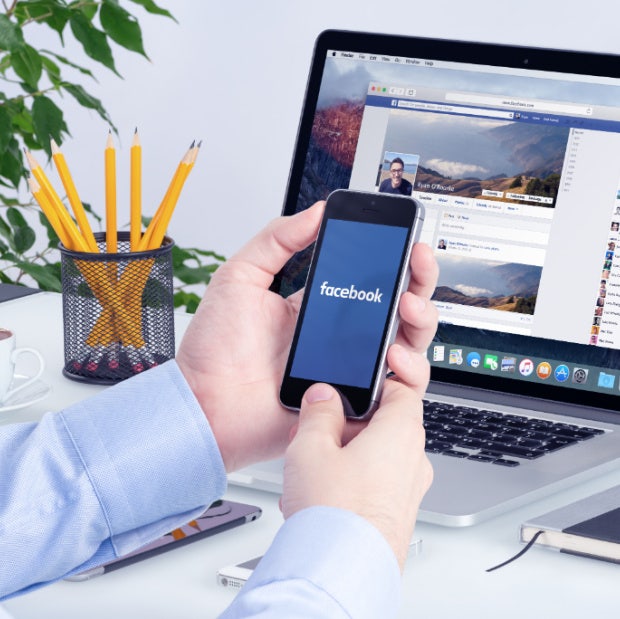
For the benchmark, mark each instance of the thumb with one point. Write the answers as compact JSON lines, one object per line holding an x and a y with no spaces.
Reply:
{"x":322,"y":412}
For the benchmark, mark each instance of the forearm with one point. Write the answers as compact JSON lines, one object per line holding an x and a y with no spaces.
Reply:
{"x":102,"y":478}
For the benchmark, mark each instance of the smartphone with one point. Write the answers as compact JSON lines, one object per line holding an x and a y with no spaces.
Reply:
{"x":235,"y":576}
{"x":220,"y":516}
{"x":349,"y":313}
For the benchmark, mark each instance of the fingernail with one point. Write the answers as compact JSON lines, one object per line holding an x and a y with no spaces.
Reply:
{"x":320,"y":392}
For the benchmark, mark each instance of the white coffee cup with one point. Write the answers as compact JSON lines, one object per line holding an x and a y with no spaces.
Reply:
{"x":8,"y":358}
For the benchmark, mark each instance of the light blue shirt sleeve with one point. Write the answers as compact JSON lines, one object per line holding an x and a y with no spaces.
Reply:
{"x":116,"y":471}
{"x":324,"y":562}
{"x":70,"y":500}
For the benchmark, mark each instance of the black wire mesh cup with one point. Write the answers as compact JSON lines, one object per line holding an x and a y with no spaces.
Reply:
{"x":118,"y":311}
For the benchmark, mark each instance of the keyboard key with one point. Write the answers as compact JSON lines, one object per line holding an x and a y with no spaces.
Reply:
{"x":455,"y":453}
{"x":504,"y":462}
{"x":482,"y":458}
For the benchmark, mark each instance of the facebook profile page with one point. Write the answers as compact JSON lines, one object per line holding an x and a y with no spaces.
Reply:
{"x":349,"y":302}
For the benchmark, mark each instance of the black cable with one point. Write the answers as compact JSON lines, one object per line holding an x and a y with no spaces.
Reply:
{"x":520,"y":553}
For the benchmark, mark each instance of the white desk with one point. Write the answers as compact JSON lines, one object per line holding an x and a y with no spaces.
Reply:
{"x":447,"y":579}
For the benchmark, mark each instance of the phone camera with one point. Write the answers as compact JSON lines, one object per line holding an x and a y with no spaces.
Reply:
{"x":526,"y":61}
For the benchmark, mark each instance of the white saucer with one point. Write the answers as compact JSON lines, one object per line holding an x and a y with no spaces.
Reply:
{"x":27,"y":396}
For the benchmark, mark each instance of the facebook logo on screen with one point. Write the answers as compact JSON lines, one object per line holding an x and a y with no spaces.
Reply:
{"x":349,"y":302}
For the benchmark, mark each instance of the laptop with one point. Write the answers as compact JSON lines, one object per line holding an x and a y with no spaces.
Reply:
{"x":515,"y":154}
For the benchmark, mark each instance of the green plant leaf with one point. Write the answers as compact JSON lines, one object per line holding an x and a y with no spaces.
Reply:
{"x":87,"y":100}
{"x":188,"y":299}
{"x":121,"y":27}
{"x":6,"y":128}
{"x":50,"y":12}
{"x":11,"y":35}
{"x":151,"y":7}
{"x":88,"y":9}
{"x":5,"y":279}
{"x":6,"y":201}
{"x":11,"y":166}
{"x":195,"y":275}
{"x":5,"y":229}
{"x":94,"y":42}
{"x":24,"y":236}
{"x":207,"y":252}
{"x":24,"y":239}
{"x":67,"y":62}
{"x":52,"y":237}
{"x":89,"y":209}
{"x":26,"y":62}
{"x":45,"y":277}
{"x":5,"y":63}
{"x":48,"y":121}
{"x":16,"y":218}
{"x":52,"y":70}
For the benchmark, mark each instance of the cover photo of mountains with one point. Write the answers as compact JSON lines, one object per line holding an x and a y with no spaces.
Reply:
{"x":465,"y":156}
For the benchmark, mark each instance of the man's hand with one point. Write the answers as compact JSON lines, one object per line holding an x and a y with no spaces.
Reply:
{"x":381,"y":474}
{"x":234,"y":351}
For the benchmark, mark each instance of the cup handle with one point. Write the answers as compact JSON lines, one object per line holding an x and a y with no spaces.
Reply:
{"x":14,"y":355}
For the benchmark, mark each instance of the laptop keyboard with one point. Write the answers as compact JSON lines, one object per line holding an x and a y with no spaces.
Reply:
{"x":497,"y":438}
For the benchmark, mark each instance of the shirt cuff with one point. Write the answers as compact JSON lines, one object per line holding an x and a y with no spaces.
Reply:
{"x":341,"y":554}
{"x":147,"y":437}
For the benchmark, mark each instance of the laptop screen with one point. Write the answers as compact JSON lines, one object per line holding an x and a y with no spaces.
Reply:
{"x":515,"y":154}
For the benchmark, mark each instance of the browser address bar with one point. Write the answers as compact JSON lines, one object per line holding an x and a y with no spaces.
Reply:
{"x":524,"y":104}
{"x":459,"y":109}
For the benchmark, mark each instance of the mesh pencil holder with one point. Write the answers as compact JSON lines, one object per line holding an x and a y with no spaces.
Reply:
{"x":117,"y":311}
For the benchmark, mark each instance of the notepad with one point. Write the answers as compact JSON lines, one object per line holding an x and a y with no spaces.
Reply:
{"x":589,"y":527}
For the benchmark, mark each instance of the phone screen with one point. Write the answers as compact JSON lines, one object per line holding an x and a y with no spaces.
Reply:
{"x":349,"y":302}
{"x":349,"y":307}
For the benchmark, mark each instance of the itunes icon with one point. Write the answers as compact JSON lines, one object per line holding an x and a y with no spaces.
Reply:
{"x":526,"y":367}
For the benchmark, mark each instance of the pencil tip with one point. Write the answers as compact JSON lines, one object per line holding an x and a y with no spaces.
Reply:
{"x":199,"y":144}
{"x":31,"y":160}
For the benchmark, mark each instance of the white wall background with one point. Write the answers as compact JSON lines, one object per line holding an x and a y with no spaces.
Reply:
{"x":233,"y":74}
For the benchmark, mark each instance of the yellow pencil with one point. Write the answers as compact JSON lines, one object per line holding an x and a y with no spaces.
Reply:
{"x":135,"y":191}
{"x":159,"y":224}
{"x":59,"y":219}
{"x":148,"y":234}
{"x":52,"y":197}
{"x":110,"y":195}
{"x":74,"y":198}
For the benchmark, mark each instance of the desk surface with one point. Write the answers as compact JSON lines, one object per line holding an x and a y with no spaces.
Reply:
{"x":447,"y":579}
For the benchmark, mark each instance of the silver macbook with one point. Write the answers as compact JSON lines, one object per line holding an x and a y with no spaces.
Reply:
{"x":515,"y":153}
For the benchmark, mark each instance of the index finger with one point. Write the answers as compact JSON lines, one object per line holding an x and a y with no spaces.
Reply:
{"x":424,"y":271}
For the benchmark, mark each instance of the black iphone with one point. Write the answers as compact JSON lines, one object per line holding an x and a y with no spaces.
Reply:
{"x":349,"y":313}
{"x":220,"y":516}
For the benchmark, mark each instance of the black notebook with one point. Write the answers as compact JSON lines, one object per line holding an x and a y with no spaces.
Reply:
{"x":12,"y":291}
{"x":589,"y":527}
